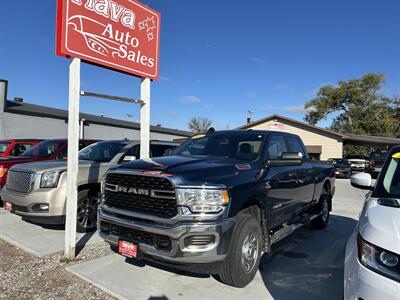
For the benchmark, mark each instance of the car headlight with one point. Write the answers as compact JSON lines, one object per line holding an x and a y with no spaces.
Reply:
{"x":50,"y":178}
{"x":378,"y":260}
{"x":203,"y":200}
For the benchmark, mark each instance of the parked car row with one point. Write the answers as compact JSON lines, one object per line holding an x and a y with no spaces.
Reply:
{"x":37,"y":190}
{"x":214,"y":204}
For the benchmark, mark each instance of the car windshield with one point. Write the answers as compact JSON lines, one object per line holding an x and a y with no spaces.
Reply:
{"x":3,"y":147}
{"x":388,"y":185}
{"x":101,"y":152}
{"x":241,"y":146}
{"x":43,"y":149}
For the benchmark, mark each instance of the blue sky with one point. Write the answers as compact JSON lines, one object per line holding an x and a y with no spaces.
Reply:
{"x":218,"y":59}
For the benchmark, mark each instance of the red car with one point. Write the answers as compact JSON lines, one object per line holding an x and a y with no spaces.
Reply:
{"x":16,"y":147}
{"x":46,"y":150}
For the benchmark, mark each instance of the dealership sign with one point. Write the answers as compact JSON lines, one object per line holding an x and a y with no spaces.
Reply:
{"x":119,"y":34}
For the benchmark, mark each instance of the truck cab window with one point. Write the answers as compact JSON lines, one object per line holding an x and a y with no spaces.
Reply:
{"x":295,"y":146}
{"x":276,"y":146}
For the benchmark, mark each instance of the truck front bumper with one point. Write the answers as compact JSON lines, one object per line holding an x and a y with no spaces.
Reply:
{"x":183,"y":243}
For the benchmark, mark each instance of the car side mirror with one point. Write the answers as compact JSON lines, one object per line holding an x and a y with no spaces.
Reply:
{"x":128,"y":158}
{"x":362,"y":181}
{"x":286,"y":159}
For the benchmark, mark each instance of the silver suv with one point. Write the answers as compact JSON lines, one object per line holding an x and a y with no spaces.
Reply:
{"x":37,"y":191}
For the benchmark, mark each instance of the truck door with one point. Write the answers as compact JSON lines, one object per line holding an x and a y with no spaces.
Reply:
{"x":304,"y":173}
{"x":280,"y":183}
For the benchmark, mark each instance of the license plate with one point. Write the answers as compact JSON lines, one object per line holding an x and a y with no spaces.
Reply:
{"x":128,"y":249}
{"x":7,"y":206}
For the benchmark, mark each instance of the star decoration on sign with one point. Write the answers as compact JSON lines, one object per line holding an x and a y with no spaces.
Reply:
{"x":149,"y":24}
{"x":150,"y":36}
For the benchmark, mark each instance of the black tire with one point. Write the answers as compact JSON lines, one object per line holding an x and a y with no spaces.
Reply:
{"x":233,"y":270}
{"x":86,"y":216}
{"x":323,"y":207}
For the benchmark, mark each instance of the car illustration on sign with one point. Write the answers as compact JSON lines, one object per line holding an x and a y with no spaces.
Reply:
{"x":94,"y":42}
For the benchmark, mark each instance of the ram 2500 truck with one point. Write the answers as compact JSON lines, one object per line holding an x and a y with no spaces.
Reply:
{"x":217,"y":204}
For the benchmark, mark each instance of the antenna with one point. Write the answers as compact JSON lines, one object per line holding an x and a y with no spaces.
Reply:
{"x":250,"y":117}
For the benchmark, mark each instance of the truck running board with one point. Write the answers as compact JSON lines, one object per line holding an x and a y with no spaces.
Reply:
{"x":288,"y":229}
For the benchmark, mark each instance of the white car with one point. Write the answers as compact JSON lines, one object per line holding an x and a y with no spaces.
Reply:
{"x":372,"y":259}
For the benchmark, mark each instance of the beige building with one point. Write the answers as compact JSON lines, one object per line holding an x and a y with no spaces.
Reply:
{"x":321,"y":143}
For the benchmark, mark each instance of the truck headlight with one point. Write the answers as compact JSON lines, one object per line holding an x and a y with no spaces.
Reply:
{"x":203,"y":200}
{"x":379,"y":260}
{"x":50,"y":178}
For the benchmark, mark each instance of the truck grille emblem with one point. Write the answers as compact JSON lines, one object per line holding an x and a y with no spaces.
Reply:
{"x":126,"y":189}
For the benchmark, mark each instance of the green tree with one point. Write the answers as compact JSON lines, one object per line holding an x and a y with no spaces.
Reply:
{"x":199,"y":124}
{"x":357,"y":106}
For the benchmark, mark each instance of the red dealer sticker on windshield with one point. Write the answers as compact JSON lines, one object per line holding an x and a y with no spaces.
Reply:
{"x":119,"y":34}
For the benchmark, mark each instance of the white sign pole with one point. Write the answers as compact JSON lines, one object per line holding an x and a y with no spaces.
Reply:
{"x":145,"y":118}
{"x":72,"y":168}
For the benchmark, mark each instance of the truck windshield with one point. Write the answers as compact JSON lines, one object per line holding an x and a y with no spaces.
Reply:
{"x":43,"y":149}
{"x":101,"y":152}
{"x":3,"y":147}
{"x":241,"y":146}
{"x":388,"y":185}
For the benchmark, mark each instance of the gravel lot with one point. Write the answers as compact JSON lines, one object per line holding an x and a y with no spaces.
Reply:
{"x":24,"y":276}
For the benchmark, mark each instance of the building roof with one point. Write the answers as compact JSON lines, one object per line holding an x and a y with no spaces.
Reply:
{"x":50,"y":112}
{"x":349,"y":138}
{"x":296,"y":122}
{"x":369,"y":139}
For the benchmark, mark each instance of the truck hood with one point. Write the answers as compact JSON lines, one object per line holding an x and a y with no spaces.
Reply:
{"x":16,"y":159}
{"x":49,"y":165}
{"x":193,"y":170}
{"x":380,"y":225}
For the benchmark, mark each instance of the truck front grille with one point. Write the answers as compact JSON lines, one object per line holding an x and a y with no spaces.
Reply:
{"x":20,"y":181}
{"x":143,"y":194}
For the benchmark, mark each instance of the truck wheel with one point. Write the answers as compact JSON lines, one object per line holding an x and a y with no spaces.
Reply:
{"x":241,"y":263}
{"x":86,"y":216}
{"x":323,"y":207}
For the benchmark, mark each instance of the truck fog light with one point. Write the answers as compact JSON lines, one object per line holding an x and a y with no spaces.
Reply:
{"x":42,"y":207}
{"x":199,"y":241}
{"x":389,"y":259}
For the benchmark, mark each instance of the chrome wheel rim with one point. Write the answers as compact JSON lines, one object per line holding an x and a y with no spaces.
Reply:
{"x":325,"y":210}
{"x":87,"y":212}
{"x":249,"y":252}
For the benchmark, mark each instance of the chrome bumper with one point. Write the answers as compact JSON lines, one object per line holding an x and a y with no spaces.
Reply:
{"x":178,"y":253}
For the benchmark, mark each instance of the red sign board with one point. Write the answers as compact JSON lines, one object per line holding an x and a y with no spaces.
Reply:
{"x":119,"y":34}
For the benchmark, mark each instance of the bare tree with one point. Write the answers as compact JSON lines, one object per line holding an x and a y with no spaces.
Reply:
{"x":199,"y":124}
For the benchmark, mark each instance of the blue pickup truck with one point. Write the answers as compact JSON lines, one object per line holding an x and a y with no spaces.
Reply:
{"x":217,"y":203}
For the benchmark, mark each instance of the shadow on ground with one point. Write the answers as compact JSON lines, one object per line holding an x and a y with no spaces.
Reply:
{"x":309,"y":264}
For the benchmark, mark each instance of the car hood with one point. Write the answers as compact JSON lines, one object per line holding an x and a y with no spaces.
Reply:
{"x":44,"y":166}
{"x":194,"y":170}
{"x":380,"y":225}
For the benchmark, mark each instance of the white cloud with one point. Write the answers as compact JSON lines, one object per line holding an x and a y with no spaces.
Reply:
{"x":189,"y":99}
{"x":280,"y":87}
{"x":294,"y":109}
{"x":164,"y":78}
{"x":258,"y":60}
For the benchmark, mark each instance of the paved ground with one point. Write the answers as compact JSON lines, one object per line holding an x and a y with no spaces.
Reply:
{"x":307,"y":265}
{"x":39,"y":240}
